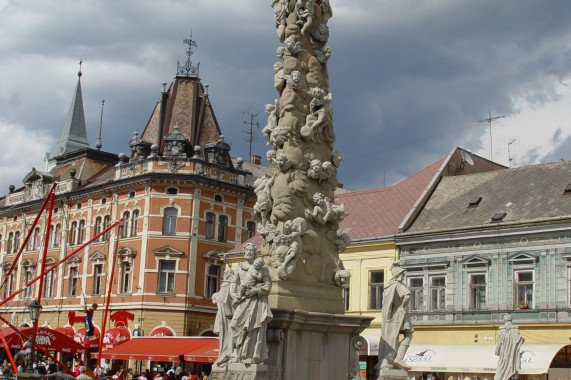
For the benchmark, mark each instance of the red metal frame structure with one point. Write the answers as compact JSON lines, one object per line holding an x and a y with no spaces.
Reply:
{"x":51,"y":198}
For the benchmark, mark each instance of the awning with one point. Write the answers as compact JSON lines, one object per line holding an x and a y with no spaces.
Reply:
{"x":163,"y":349}
{"x":469,"y":358}
{"x":161,"y":331}
{"x":46,"y":339}
{"x":67,"y":331}
{"x":93,"y":342}
{"x":204,"y":353}
{"x":115,"y":337}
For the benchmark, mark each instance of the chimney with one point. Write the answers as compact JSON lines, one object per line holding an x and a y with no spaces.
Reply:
{"x":256,"y":160}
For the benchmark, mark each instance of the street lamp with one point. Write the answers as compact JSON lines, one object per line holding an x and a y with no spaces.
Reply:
{"x":34,"y":310}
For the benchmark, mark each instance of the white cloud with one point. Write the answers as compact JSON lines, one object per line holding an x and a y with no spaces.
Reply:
{"x":21,"y":151}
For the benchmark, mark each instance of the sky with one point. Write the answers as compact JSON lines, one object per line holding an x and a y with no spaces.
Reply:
{"x":409,"y":78}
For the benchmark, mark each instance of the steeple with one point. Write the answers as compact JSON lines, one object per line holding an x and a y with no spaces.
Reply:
{"x":74,"y":133}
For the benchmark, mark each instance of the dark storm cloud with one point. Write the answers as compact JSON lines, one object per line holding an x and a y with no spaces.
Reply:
{"x":408,"y":78}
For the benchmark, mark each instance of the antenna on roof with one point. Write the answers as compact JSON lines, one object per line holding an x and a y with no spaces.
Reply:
{"x":252,"y":134}
{"x":489,"y":121}
{"x":99,"y":143}
{"x":510,"y":157}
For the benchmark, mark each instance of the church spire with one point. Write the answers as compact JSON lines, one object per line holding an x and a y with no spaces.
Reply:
{"x":74,"y":133}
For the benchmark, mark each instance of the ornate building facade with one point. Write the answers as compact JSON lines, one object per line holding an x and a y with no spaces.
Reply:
{"x":183,"y":201}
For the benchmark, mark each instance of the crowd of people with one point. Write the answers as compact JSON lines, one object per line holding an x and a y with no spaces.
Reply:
{"x":52,"y":371}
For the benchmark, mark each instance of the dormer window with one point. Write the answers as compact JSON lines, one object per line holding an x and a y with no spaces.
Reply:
{"x":567,"y":190}
{"x":498,"y":217}
{"x":475,"y":201}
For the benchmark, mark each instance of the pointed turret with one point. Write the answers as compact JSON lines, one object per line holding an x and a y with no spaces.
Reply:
{"x":74,"y":133}
{"x":186,"y":105}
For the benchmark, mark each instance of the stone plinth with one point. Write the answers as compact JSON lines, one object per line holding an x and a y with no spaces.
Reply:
{"x":313,"y":297}
{"x":308,"y":345}
{"x":392,"y":374}
{"x":240,"y":371}
{"x":28,"y":376}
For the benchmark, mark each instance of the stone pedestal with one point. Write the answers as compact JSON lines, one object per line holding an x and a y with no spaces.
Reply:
{"x":392,"y":374}
{"x":313,"y":296}
{"x":28,"y":376}
{"x":239,"y":371}
{"x":316,"y":346}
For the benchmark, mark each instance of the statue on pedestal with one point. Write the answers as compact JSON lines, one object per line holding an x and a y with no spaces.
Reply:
{"x":508,"y":350}
{"x":223,"y":301}
{"x":395,"y":321}
{"x":252,"y":312}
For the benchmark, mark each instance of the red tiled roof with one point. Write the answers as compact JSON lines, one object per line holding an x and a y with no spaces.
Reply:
{"x":379,"y":212}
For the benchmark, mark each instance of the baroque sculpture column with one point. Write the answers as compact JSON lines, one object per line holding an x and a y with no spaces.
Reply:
{"x":283,"y":312}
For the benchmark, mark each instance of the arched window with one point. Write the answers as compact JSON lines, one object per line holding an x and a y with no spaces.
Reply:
{"x":169,"y":221}
{"x":51,"y":235}
{"x":36,"y":238}
{"x":57,"y":237}
{"x":16,"y":241}
{"x":72,"y":233}
{"x":251,"y":230}
{"x":10,"y":243}
{"x":135,"y":223}
{"x":210,"y":225}
{"x":98,"y":222}
{"x":125,"y":227}
{"x":81,"y":232}
{"x":222,"y":224}
{"x":106,"y":224}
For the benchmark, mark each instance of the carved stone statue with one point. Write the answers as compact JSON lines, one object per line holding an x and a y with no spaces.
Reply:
{"x":293,"y":230}
{"x":282,"y":162}
{"x":509,"y":350}
{"x":304,"y":10}
{"x":223,"y":301}
{"x":263,"y":206}
{"x":280,"y":16}
{"x":324,"y":211}
{"x":252,"y":313}
{"x":272,"y":122}
{"x":396,"y":321}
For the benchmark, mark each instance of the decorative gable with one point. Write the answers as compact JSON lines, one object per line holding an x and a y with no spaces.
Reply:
{"x":476,"y":261}
{"x":167,"y":251}
{"x":98,"y":256}
{"x":522,"y":258}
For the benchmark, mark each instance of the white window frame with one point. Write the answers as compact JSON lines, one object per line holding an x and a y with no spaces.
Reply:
{"x":414,"y":293}
{"x":212,"y":279}
{"x":167,"y":274}
{"x":441,"y":292}
{"x":378,"y":287}
{"x":472,"y":274}
{"x":516,"y":272}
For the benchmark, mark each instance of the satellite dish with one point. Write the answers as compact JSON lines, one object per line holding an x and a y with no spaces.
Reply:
{"x":466,"y":158}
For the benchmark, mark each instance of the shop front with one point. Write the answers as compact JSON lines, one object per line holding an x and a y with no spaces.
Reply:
{"x":474,"y":361}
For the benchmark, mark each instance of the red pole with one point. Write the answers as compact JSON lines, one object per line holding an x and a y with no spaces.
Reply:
{"x":107,"y":301}
{"x":27,"y":238}
{"x":7,"y":349}
{"x":16,"y":292}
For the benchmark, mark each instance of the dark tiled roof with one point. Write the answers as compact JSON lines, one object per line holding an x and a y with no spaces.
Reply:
{"x":524,"y":194}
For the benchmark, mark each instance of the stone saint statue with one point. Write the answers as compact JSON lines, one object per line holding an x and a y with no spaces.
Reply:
{"x":252,"y":312}
{"x":395,"y":321}
{"x":223,"y":301}
{"x":508,"y":350}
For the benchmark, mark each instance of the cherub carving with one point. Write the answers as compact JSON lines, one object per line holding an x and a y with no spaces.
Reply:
{"x":263,"y":206}
{"x":294,"y":81}
{"x":272,"y":121}
{"x":268,"y":232}
{"x":342,"y":241}
{"x":283,"y":163}
{"x":325,"y":211}
{"x":326,"y":11}
{"x":280,"y":16}
{"x":291,"y":46}
{"x":278,"y":137}
{"x":323,"y":54}
{"x":293,"y":229}
{"x":342,"y":278}
{"x":321,"y":33}
{"x":271,"y":157}
{"x":304,"y":10}
{"x":279,"y":76}
{"x":281,"y":52}
{"x":320,"y":114}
